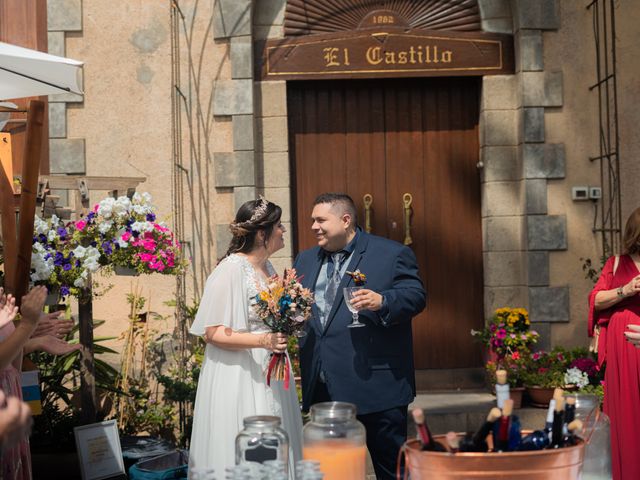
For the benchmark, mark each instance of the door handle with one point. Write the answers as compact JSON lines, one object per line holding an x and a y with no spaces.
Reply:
{"x":367,"y":199}
{"x":407,"y":198}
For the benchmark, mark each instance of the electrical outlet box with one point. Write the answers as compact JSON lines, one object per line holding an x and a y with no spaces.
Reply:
{"x":580,"y":193}
{"x":595,"y":193}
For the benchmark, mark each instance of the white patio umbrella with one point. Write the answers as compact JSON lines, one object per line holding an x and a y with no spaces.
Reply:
{"x":30,"y":73}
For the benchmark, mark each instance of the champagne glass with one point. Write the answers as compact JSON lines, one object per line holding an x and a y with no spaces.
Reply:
{"x":348,"y":298}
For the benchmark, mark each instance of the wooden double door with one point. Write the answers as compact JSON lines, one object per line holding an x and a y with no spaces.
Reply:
{"x":388,"y":138}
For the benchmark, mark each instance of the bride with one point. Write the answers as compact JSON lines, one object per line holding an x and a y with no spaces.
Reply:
{"x":232,"y":383}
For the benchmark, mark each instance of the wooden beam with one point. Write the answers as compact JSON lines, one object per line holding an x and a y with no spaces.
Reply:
{"x":8,"y":213}
{"x":30,"y":173}
{"x":70,"y":182}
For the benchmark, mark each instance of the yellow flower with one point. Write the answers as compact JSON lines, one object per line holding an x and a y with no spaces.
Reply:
{"x":264,"y":296}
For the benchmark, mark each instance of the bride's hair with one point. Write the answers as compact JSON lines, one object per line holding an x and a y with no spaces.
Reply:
{"x":252,"y":217}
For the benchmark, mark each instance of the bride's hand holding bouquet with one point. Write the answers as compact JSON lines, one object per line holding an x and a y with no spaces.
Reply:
{"x":284,"y":307}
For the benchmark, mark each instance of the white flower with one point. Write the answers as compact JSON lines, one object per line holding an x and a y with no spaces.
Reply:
{"x":121,"y":207}
{"x":40,"y":226}
{"x":79,"y":282}
{"x":105,"y":207}
{"x":142,"y":227}
{"x":79,"y":251}
{"x":105,"y":226}
{"x":52,"y":235}
{"x":122,"y":243}
{"x":575,"y":376}
{"x":54,"y":220}
{"x":141,"y":198}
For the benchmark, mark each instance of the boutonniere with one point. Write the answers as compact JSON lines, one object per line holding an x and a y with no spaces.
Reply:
{"x":358,"y":277}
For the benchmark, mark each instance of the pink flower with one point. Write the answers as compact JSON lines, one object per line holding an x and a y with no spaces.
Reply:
{"x":502,"y":333}
{"x":147,"y":257}
{"x":515,"y":355}
{"x":149,"y":245}
{"x":160,"y":227}
{"x":80,"y":224}
{"x":126,"y":236}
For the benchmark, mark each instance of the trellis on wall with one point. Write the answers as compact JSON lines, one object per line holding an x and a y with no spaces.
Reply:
{"x":607,"y":219}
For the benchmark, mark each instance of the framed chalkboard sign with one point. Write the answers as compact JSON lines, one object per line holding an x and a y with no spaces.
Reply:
{"x":99,"y":450}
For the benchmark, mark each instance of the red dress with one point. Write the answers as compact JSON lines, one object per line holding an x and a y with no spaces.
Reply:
{"x":622,"y":375}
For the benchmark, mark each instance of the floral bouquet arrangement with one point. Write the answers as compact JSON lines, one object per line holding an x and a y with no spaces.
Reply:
{"x":584,"y":372}
{"x":284,"y":306}
{"x":126,"y":233}
{"x":507,"y":332}
{"x":59,"y":262}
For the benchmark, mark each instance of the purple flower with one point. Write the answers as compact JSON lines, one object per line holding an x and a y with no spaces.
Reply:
{"x":151,"y":217}
{"x":106,"y":247}
{"x":59,"y":259}
{"x":66,"y":267}
{"x":64,"y":290}
{"x":62,"y":232}
{"x":91,"y":216}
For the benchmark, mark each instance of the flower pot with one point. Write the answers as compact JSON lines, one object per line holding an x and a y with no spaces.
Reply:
{"x":125,"y":271}
{"x":540,"y":396}
{"x":516,"y":394}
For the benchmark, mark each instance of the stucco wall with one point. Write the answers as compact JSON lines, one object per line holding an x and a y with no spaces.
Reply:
{"x":572,"y":50}
{"x":126,"y":121}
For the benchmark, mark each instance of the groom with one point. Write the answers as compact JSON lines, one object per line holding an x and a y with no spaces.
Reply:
{"x":372,"y":366}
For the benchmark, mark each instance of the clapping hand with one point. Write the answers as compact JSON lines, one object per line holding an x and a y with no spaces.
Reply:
{"x":54,"y":345}
{"x":8,"y":310}
{"x":32,"y":305}
{"x":52,"y":324}
{"x":15,"y":420}
{"x":632,"y":288}
{"x":633,"y":336}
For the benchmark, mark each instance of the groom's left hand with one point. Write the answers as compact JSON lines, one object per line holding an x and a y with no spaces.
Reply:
{"x":367,"y":300}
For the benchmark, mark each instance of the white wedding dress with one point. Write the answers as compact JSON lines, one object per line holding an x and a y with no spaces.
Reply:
{"x":232,"y":384}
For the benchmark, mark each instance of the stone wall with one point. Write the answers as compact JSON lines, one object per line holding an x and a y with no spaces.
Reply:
{"x":537,"y":130}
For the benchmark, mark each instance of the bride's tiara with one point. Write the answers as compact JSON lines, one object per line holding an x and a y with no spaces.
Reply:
{"x":238,"y":228}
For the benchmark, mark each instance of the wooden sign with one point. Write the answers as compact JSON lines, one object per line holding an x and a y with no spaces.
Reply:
{"x":392,"y":52}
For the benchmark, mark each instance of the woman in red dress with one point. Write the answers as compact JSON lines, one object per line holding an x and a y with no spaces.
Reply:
{"x":614,"y":304}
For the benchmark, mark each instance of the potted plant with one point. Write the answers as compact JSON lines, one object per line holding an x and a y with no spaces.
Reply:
{"x":59,"y":261}
{"x":507,"y":332}
{"x":515,"y":366}
{"x":129,"y":237}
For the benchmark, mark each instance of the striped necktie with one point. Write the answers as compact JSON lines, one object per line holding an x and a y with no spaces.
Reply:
{"x":333,"y":281}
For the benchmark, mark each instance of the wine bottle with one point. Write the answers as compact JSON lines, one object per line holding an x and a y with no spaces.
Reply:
{"x":424,"y":435}
{"x":453,"y":442}
{"x":549,"y":423}
{"x":504,"y":427}
{"x":569,"y":413}
{"x":502,"y":388}
{"x":515,"y":433}
{"x":478,"y":441}
{"x":557,"y":434}
{"x":536,"y":440}
{"x":573,"y":427}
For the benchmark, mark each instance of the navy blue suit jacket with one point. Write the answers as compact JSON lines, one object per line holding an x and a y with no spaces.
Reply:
{"x":370,"y":366}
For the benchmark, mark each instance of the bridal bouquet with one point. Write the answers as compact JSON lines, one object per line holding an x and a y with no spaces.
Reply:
{"x":284,"y":307}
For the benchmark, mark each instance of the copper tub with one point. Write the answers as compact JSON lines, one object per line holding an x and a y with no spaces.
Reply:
{"x":560,"y":464}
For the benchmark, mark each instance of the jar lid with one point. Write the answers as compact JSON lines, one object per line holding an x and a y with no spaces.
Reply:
{"x":333,"y":410}
{"x":261,"y":421}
